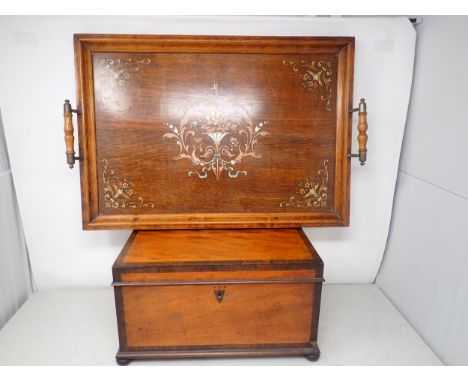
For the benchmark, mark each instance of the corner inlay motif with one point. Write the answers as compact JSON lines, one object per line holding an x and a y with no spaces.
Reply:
{"x":216,"y":134}
{"x":312,"y":192}
{"x":113,"y":76}
{"x":316,"y":78}
{"x":119,"y":193}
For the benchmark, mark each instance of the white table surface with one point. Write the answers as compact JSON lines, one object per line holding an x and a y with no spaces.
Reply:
{"x":358,"y":326}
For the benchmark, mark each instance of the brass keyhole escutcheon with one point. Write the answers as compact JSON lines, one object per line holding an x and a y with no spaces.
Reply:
{"x":219,"y":293}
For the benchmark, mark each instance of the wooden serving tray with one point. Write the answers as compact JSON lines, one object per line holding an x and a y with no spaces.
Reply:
{"x":214,"y":131}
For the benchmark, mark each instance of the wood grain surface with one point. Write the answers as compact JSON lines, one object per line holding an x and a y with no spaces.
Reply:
{"x":191,"y":315}
{"x":246,"y":245}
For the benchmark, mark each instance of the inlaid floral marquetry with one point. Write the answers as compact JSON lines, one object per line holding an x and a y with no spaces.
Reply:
{"x":216,"y":134}
{"x":312,"y":192}
{"x":114,"y":76}
{"x":316,"y":77}
{"x":118,"y":191}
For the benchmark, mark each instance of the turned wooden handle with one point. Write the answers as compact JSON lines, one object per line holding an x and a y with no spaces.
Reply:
{"x":362,"y":128}
{"x":69,"y":133}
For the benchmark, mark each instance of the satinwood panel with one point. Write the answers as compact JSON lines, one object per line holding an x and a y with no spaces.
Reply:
{"x":191,"y":315}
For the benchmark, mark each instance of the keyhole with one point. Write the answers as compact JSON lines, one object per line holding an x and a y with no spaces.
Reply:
{"x":219,"y":293}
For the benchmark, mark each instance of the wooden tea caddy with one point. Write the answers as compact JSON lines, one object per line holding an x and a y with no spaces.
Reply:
{"x":215,"y":150}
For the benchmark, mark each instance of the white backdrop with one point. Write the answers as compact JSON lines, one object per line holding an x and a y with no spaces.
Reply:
{"x":37,"y":74}
{"x":424,"y":269}
{"x":15,"y":279}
